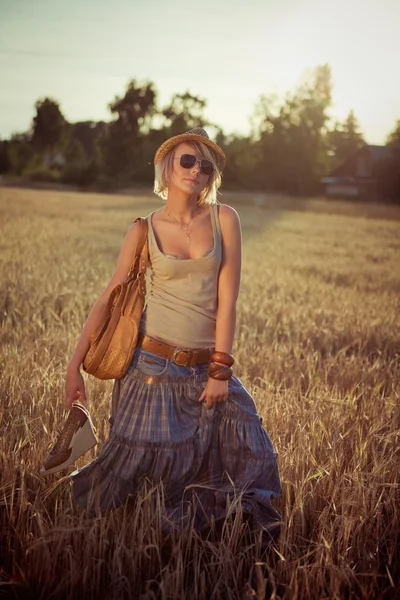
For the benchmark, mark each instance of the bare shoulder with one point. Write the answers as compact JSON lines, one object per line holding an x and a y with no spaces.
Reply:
{"x":126,"y":256}
{"x":229,"y":219}
{"x":136,"y":225}
{"x":230,"y":227}
{"x":133,"y":231}
{"x":132,"y":238}
{"x":158,"y":216}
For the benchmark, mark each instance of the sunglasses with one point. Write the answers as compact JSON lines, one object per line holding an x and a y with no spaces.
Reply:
{"x":187,"y":161}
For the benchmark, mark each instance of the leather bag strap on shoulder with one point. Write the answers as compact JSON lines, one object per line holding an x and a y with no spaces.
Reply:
{"x":139,"y":249}
{"x":143,"y":234}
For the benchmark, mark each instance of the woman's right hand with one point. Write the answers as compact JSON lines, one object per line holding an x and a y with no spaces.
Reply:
{"x":74,"y":387}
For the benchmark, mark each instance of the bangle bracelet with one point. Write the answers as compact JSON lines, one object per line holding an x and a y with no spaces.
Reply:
{"x":221,"y":373}
{"x":222,"y":357}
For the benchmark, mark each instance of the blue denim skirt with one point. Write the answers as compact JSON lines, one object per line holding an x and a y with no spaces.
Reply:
{"x":160,"y":433}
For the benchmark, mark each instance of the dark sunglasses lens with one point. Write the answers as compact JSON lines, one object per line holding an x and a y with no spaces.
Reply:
{"x":187,"y":161}
{"x":207,"y":167}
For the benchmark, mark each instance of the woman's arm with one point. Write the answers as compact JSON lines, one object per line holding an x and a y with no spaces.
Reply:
{"x":228,"y":290}
{"x":229,"y":278}
{"x":74,"y":386}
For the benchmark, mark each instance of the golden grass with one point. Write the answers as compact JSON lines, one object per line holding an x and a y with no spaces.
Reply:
{"x":318,"y":345}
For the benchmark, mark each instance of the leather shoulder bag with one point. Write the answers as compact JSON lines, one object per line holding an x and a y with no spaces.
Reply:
{"x":115,"y":338}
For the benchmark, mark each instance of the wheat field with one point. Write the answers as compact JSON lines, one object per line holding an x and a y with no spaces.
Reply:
{"x":318,"y":346}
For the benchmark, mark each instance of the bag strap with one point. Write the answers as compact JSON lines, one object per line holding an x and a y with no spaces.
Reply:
{"x":143,"y":235}
{"x":135,"y":267}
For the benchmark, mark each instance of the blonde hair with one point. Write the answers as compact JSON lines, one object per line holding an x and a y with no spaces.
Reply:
{"x":163,"y":171}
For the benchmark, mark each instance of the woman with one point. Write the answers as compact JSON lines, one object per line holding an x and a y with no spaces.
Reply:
{"x":179,"y":417}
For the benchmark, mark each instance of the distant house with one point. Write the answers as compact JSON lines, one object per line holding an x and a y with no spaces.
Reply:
{"x":54,"y":159}
{"x":355,"y":177}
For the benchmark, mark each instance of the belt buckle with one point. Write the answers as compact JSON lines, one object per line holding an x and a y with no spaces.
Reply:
{"x":179,"y":351}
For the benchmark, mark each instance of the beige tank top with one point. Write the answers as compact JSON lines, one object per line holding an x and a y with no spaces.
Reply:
{"x":181,"y":306}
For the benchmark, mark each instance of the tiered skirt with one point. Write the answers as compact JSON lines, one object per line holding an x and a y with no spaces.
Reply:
{"x":209,"y":462}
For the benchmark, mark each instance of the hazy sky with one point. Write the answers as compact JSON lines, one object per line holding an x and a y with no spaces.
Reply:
{"x":84,"y":52}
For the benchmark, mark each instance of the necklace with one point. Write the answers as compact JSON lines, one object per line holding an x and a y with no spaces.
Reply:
{"x":184,"y":226}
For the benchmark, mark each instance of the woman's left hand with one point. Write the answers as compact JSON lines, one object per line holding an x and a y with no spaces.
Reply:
{"x":215,"y":391}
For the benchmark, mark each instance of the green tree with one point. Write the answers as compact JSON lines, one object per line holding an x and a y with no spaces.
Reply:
{"x":185,"y":112}
{"x":20,"y":153}
{"x":87,"y":133}
{"x":75,"y":152}
{"x":242,"y":160}
{"x":387,"y":171}
{"x":136,"y":108}
{"x":79,"y":169}
{"x":5,"y":163}
{"x":121,"y":145}
{"x":344,"y":140}
{"x":393,"y":139}
{"x":290,"y":140}
{"x":49,"y":125}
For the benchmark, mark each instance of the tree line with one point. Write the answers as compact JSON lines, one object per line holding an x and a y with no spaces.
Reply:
{"x":291,"y":146}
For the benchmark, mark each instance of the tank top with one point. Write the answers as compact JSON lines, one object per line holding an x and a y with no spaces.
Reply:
{"x":181,"y":305}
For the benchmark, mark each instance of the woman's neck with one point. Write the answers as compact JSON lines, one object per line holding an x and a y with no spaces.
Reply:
{"x":181,"y":205}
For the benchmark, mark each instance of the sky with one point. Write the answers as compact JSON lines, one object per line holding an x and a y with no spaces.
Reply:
{"x":83,"y":53}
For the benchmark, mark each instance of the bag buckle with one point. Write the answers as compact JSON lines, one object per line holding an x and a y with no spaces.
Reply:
{"x":187,"y":361}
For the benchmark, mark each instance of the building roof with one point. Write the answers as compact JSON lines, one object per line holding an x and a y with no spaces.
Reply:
{"x":372,"y":153}
{"x":379,"y":152}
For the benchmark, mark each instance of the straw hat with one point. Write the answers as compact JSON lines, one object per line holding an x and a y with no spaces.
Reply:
{"x":193,"y":135}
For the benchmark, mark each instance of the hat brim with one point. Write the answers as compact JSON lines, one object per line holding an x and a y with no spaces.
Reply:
{"x":170,"y":144}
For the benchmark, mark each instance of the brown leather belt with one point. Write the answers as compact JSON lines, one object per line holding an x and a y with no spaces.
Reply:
{"x":185,"y":357}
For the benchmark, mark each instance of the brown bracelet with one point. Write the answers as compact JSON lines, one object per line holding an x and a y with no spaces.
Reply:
{"x":218,"y":372}
{"x":222,"y":357}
